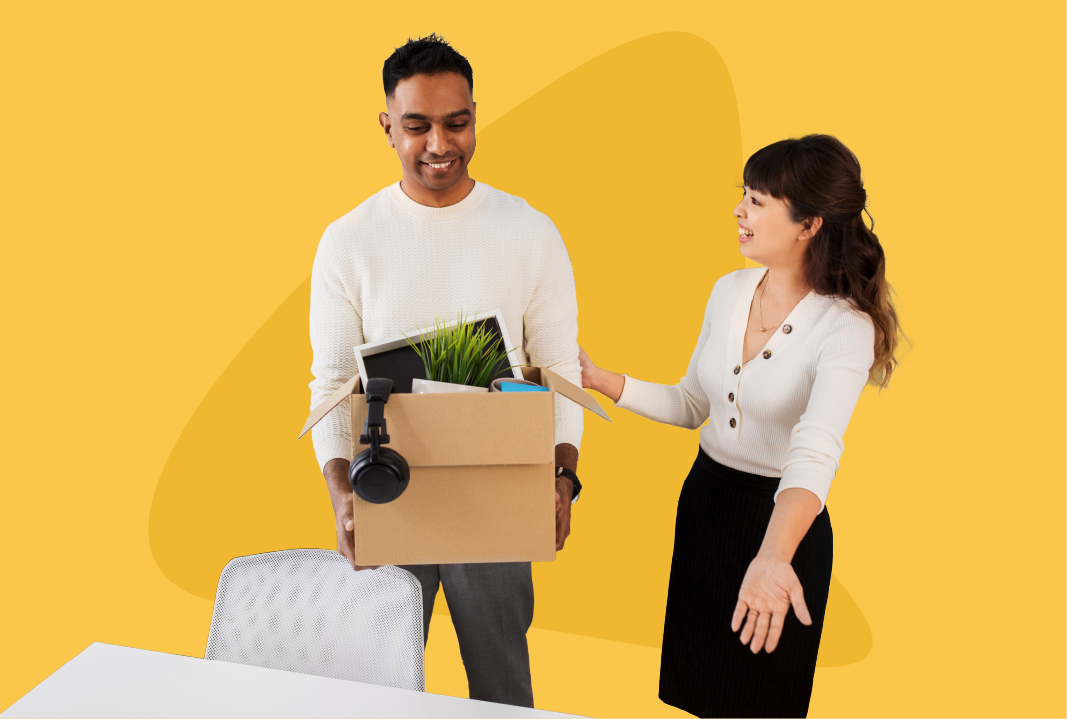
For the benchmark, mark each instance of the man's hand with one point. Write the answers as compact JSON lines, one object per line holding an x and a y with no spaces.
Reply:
{"x":564,"y":492}
{"x":336,"y":473}
{"x":566,"y":456}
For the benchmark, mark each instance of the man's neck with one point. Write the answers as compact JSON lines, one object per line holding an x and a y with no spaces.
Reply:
{"x":451,"y":195}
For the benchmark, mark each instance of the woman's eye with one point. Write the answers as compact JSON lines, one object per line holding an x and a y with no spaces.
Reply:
{"x":755,"y":201}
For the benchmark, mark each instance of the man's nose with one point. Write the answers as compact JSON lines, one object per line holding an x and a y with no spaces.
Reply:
{"x":437,"y":143}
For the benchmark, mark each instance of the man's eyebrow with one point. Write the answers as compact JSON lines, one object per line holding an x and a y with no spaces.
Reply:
{"x":420,"y":116}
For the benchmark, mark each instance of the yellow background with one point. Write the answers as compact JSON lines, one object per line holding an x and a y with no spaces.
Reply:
{"x":169,"y":170}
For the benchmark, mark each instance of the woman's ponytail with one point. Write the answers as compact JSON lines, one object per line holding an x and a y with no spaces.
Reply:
{"x":819,"y":177}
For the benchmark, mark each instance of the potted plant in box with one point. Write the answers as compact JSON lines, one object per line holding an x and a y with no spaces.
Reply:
{"x":463,"y":357}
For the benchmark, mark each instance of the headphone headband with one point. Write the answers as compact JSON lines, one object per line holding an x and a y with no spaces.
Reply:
{"x":378,"y":474}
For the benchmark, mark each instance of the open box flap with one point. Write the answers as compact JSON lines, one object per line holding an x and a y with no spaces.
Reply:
{"x":324,"y":407}
{"x":545,"y":377}
{"x":554,"y":382}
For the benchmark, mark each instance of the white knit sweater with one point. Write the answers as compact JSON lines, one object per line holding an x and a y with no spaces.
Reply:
{"x":392,"y":264}
{"x":791,"y":403}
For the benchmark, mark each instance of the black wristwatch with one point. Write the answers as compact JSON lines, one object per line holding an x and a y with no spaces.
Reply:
{"x":564,"y":472}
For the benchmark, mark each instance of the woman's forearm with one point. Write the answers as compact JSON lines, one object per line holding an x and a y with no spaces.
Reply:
{"x":793,"y":514}
{"x":608,"y":383}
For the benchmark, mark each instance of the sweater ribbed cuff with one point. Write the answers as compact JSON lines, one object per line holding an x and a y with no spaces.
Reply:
{"x":569,"y":433}
{"x":332,"y":448}
{"x":811,"y":478}
{"x":638,"y":396}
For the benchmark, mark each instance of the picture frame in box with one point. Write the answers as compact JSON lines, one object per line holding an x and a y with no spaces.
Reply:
{"x":394,"y":358}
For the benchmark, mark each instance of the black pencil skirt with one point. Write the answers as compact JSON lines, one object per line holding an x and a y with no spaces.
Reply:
{"x":705,"y":669}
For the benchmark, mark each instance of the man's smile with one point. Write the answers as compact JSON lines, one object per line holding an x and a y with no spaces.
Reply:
{"x":440,"y":166}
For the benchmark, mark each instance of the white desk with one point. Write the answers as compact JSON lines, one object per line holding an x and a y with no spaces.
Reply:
{"x":110,"y":681}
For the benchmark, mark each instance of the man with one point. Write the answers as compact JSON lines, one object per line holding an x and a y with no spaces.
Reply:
{"x":432,"y":245}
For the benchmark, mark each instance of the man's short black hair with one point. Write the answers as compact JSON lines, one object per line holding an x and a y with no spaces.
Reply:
{"x":426,"y":56}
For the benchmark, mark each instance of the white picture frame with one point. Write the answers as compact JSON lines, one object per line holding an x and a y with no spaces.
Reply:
{"x":418,"y":335}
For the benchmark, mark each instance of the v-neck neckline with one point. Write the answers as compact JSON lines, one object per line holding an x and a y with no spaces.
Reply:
{"x":744,"y":309}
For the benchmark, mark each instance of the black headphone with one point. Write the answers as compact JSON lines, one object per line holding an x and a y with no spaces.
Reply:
{"x":378,"y":474}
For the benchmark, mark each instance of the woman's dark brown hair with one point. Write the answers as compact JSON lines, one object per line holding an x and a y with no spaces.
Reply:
{"x":817,"y":176}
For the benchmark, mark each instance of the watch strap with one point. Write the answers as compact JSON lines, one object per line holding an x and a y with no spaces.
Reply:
{"x":564,"y":472}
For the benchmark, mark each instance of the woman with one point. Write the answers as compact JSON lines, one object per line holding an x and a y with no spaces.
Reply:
{"x":783,"y":354}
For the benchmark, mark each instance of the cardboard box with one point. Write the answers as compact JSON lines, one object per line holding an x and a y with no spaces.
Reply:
{"x":482,"y":485}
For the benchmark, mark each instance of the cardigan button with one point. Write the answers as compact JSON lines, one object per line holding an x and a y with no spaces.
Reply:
{"x":733,"y":423}
{"x":737,"y":369}
{"x":787,"y":329}
{"x":766,"y":354}
{"x":730,"y":397}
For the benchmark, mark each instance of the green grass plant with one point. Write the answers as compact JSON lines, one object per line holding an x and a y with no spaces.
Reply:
{"x":464,"y":353}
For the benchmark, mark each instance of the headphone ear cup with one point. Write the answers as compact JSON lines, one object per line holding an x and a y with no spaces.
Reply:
{"x":358,"y":462}
{"x":382,"y":481}
{"x":399,"y":467}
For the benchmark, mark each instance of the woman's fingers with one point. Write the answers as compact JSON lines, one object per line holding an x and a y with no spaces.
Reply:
{"x":796,"y":597}
{"x":588,"y":368}
{"x":760,"y":635}
{"x":739,"y":615}
{"x":775,"y":633}
{"x":750,"y":626}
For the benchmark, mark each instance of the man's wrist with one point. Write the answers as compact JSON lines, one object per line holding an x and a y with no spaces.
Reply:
{"x":569,"y":477}
{"x":567,"y":488}
{"x":336,"y":474}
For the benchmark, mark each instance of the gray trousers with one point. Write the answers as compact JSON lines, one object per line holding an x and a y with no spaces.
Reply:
{"x":491,"y":607}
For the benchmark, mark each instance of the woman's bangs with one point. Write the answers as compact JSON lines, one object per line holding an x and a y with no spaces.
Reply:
{"x":768,"y":169}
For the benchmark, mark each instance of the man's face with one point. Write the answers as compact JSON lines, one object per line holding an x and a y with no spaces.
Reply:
{"x":430,"y":123}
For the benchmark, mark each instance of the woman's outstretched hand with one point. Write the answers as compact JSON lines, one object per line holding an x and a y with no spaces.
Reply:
{"x":769,"y":588}
{"x":588,"y":369}
{"x":603,"y":381}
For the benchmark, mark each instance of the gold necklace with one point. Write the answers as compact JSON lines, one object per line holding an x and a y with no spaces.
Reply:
{"x":761,"y":327}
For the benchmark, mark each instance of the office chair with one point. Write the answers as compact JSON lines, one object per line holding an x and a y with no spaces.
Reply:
{"x":307,"y":611}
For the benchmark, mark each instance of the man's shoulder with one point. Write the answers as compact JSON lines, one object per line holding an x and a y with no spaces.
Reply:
{"x":503,"y":203}
{"x":363,"y":214}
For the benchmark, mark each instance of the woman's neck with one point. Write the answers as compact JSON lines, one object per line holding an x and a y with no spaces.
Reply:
{"x":785,"y":283}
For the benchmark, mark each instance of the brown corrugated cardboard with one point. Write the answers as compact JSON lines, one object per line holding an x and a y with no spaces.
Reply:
{"x":482,"y":483}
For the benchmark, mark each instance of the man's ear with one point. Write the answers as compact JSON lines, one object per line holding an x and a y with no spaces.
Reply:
{"x":811,"y":226}
{"x":383,"y":120}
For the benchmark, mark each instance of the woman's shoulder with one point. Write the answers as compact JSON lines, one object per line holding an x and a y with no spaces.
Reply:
{"x":845,"y":324}
{"x":732,"y":282}
{"x":845,"y":313}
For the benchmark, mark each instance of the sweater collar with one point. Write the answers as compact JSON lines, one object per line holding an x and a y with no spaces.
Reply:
{"x":440,"y":214}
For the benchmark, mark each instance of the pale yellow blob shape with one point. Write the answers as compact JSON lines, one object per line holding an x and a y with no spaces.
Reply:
{"x":636,"y":157}
{"x":846,"y":635}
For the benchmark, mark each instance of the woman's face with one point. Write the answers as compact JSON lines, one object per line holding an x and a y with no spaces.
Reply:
{"x":766,"y":231}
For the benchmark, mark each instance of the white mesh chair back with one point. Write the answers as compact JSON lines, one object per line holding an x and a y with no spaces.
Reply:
{"x":308,"y":611}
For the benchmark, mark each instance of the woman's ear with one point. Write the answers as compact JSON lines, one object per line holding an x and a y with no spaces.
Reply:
{"x":811,"y":226}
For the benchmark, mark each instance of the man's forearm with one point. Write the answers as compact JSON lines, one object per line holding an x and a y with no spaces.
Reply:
{"x":567,"y":456}
{"x":336,"y":474}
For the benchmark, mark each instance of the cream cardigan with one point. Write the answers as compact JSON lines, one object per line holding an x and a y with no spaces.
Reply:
{"x":784,"y":412}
